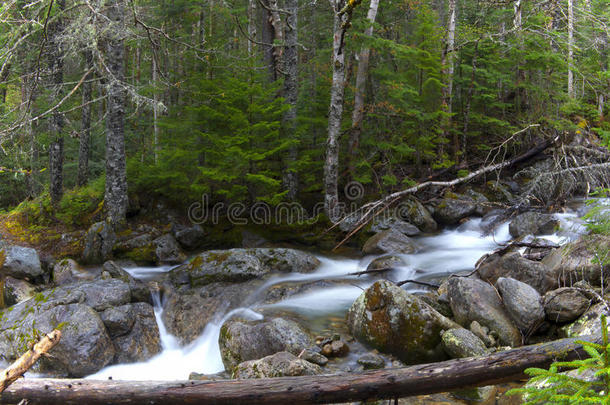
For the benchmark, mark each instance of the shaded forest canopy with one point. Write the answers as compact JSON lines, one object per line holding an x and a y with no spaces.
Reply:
{"x":231,"y":99}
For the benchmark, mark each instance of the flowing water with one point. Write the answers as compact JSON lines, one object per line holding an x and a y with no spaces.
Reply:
{"x":448,"y":252}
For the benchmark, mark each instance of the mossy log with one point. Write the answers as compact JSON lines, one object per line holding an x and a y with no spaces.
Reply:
{"x":379,"y":384}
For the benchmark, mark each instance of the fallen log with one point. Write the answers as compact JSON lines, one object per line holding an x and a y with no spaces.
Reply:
{"x":379,"y":384}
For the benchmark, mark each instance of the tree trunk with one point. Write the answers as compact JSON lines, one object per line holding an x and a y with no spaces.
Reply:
{"x":359,"y":92}
{"x":251,"y":26}
{"x":56,"y":122}
{"x":267,"y":36}
{"x":291,"y":93}
{"x":469,"y":99}
{"x":115,"y":198}
{"x":331,"y":163}
{"x":378,"y":384}
{"x":570,"y":48}
{"x":603,"y":52}
{"x":448,"y":69}
{"x":154,"y":74}
{"x":4,"y":72}
{"x":85,"y":135}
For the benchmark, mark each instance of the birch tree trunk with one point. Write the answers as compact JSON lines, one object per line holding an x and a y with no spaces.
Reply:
{"x":291,"y":93}
{"x":56,"y":122}
{"x":359,"y":92}
{"x":448,"y":67}
{"x":331,"y":163}
{"x":85,"y":135}
{"x":603,"y":52}
{"x":570,"y":48}
{"x":115,"y":198}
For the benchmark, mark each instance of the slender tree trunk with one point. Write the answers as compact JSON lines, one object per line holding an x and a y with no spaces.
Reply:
{"x":267,"y":35}
{"x":291,"y":93}
{"x":56,"y":122}
{"x":251,"y":26}
{"x":359,"y":92}
{"x":85,"y":135}
{"x":331,"y":164}
{"x":115,"y":198}
{"x":4,"y":72}
{"x":603,"y":53}
{"x":28,"y":96}
{"x":570,"y":48}
{"x":154,"y":73}
{"x":469,"y":99}
{"x":448,"y":67}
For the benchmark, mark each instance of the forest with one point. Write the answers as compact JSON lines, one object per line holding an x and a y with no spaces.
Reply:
{"x":398,"y":200}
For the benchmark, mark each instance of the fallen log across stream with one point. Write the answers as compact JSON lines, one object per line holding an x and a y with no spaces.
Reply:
{"x":379,"y":384}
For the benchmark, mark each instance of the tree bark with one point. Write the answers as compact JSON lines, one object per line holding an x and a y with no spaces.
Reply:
{"x":379,"y":384}
{"x":4,"y":72}
{"x":473,"y":73}
{"x":115,"y":198}
{"x":56,"y":122}
{"x":448,"y":70}
{"x":291,"y":93}
{"x":154,"y":74}
{"x":85,"y":135}
{"x":331,"y":163}
{"x":570,"y":48}
{"x":359,"y":92}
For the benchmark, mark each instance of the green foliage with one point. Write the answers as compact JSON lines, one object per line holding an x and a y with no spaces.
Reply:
{"x":598,"y":217}
{"x":554,"y":386}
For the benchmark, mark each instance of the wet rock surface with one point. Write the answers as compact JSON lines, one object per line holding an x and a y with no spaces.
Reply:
{"x":389,"y":241}
{"x":282,"y":364}
{"x":522,"y":302}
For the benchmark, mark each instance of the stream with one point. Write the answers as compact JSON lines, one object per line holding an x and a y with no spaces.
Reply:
{"x":447,"y":252}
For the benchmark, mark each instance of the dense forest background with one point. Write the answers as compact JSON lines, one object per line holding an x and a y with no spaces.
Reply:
{"x":231,"y":98}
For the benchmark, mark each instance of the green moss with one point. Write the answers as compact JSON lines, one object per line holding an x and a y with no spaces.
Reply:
{"x":142,"y":255}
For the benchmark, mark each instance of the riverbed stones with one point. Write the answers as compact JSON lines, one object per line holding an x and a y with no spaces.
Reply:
{"x":20,"y":262}
{"x":371,"y":361}
{"x":565,"y":304}
{"x":282,"y":364}
{"x":412,"y":211}
{"x":142,"y":341}
{"x":99,"y":241}
{"x":513,"y":265}
{"x":190,"y":237}
{"x":389,"y":241}
{"x":393,"y":321}
{"x":386,"y":263}
{"x":383,"y":224}
{"x":475,"y":300}
{"x":459,"y":343}
{"x":314,"y":356}
{"x":65,"y":272}
{"x":533,"y":223}
{"x":522,"y":302}
{"x":589,"y":323}
{"x":167,"y":250}
{"x":241,"y":341}
{"x":454,"y":207}
{"x":16,"y":290}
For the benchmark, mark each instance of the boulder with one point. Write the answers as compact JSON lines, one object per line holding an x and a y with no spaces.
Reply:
{"x":139,"y":247}
{"x":142,"y":341}
{"x":533,"y":223}
{"x":386,"y":262}
{"x":190,"y":237}
{"x":99,"y":241}
{"x":515,"y":266}
{"x":393,"y":321}
{"x":67,"y":271}
{"x":118,"y":320}
{"x":250,"y":340}
{"x":314,"y":356}
{"x":412,"y":211}
{"x":538,"y":253}
{"x":459,"y":343}
{"x":522,"y":302}
{"x":588,"y":324}
{"x":140,"y":292}
{"x":99,"y":294}
{"x":20,"y":262}
{"x":371,"y":361}
{"x":16,"y":290}
{"x":282,"y":364}
{"x":167,"y":250}
{"x":454,"y":207}
{"x":389,"y":241}
{"x":475,"y":300}
{"x":482,"y":332}
{"x":565,"y":304}
{"x":482,"y":203}
{"x":385,"y":223}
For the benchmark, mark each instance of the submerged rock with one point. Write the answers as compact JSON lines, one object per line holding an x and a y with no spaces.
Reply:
{"x":393,"y":321}
{"x":565,"y":304}
{"x":390,"y":241}
{"x":282,"y":364}
{"x":533,"y":223}
{"x":522,"y":302}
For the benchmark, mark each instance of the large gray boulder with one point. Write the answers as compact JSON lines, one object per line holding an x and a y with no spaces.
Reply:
{"x":238,"y":265}
{"x":565,"y":304}
{"x":522,"y":302}
{"x":99,"y":241}
{"x":472,"y":299}
{"x":389,"y":241}
{"x":513,"y":265}
{"x":393,"y":321}
{"x":66,"y":271}
{"x":412,"y":211}
{"x":282,"y":364}
{"x":142,"y":341}
{"x":167,"y":250}
{"x":20,"y":262}
{"x":454,"y":207}
{"x":533,"y":223}
{"x":140,"y":291}
{"x":190,"y":237}
{"x":250,"y":340}
{"x":385,"y":223}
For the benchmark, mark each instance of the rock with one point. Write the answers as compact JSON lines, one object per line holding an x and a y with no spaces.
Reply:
{"x":167,"y":250}
{"x":140,"y":292}
{"x":539,"y":253}
{"x":588,"y":324}
{"x":99,"y":241}
{"x":314,"y":357}
{"x":186,"y":313}
{"x":241,"y":340}
{"x":482,"y":333}
{"x":522,"y":302}
{"x":238,"y":265}
{"x":66,"y":271}
{"x":454,"y":207}
{"x":565,"y":304}
{"x":143,"y":340}
{"x":383,"y":224}
{"x":386,"y":262}
{"x":513,"y":265}
{"x":393,"y":321}
{"x":253,"y":240}
{"x":190,"y":237}
{"x":100,"y":294}
{"x":371,"y":361}
{"x":460,"y":343}
{"x":389,"y":241}
{"x":20,"y":262}
{"x":282,"y":364}
{"x":532,"y":223}
{"x":438,"y":302}
{"x":140,"y":248}
{"x":482,"y":203}
{"x":412,"y":211}
{"x":336,"y":348}
{"x":118,"y":321}
{"x":475,"y":300}
{"x":16,"y":290}
{"x":577,"y":260}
